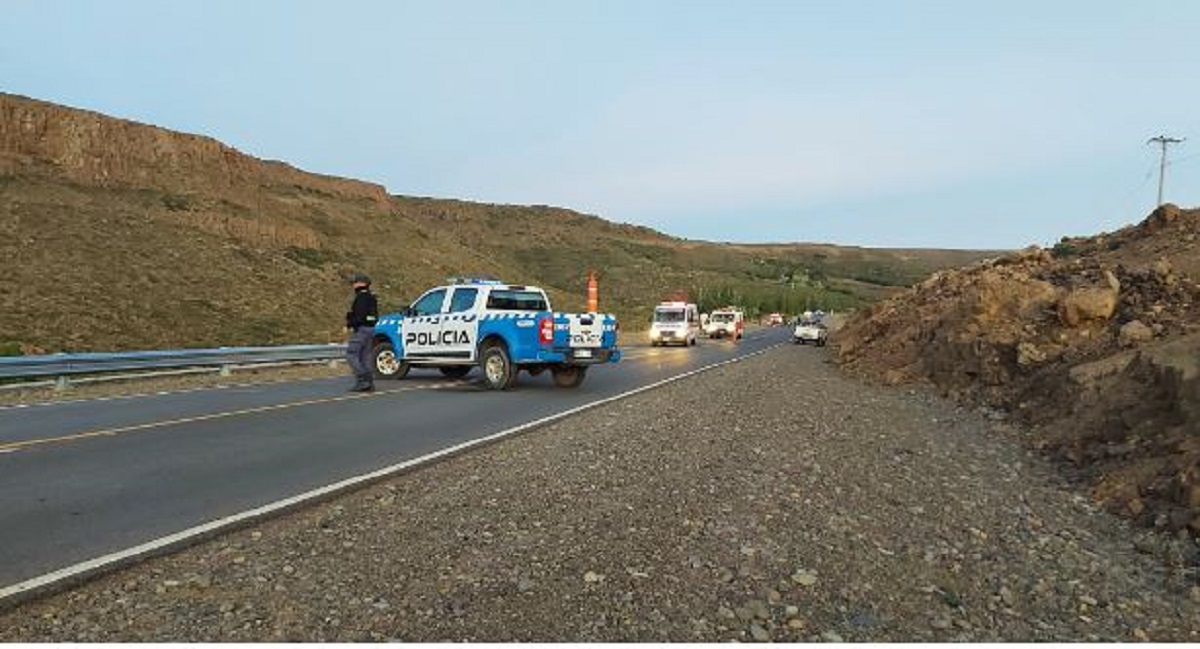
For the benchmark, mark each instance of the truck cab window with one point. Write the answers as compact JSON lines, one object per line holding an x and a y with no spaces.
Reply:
{"x":463,"y":300}
{"x":430,"y":303}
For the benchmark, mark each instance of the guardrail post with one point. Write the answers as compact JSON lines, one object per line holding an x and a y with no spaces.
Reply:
{"x":62,"y":383}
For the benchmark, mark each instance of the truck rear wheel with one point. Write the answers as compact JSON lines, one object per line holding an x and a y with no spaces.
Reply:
{"x":387,"y":364}
{"x":498,"y":370}
{"x":570,"y":376}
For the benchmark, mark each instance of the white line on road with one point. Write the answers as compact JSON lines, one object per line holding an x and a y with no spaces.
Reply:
{"x":12,"y":447}
{"x":179,"y":539}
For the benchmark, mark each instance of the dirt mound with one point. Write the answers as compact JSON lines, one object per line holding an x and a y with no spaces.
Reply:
{"x":1095,"y":344}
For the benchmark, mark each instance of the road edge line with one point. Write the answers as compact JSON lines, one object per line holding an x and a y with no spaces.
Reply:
{"x":51,"y":582}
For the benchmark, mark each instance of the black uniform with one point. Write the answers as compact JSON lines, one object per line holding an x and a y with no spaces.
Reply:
{"x":364,"y":311}
{"x":360,"y":319}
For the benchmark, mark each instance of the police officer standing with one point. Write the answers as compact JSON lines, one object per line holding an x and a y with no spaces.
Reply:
{"x":360,"y":324}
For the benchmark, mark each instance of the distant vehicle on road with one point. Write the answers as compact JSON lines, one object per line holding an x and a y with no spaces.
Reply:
{"x":726,"y":323}
{"x":675,"y":323}
{"x":813,"y":316}
{"x":810,"y":331}
{"x":775,"y":320}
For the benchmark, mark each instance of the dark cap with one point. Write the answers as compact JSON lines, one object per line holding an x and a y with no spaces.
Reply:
{"x":360,"y":277}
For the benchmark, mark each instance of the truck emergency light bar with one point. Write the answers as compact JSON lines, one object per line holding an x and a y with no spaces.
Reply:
{"x":473,"y":280}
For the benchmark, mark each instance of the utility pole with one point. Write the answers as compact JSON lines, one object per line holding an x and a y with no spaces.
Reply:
{"x":1162,"y":164}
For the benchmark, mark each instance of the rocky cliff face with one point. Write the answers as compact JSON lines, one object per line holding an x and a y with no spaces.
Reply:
{"x":93,"y":149}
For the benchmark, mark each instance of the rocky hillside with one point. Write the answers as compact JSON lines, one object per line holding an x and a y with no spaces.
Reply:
{"x":1096,"y":343}
{"x":119,"y":235}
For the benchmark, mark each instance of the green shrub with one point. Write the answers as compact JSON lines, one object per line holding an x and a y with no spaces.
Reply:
{"x":1063,"y":249}
{"x":176,"y":203}
{"x":310,"y":257}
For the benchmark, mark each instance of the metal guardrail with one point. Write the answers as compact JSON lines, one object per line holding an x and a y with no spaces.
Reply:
{"x":62,"y":366}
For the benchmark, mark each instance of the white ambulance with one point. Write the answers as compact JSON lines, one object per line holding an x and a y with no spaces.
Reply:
{"x":675,"y":323}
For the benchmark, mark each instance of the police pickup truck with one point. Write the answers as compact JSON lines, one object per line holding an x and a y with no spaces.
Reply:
{"x":502,"y":328}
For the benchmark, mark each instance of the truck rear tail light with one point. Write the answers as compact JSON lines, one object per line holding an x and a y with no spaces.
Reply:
{"x":546,"y":331}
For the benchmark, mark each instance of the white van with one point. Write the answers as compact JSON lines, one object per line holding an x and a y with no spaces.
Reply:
{"x":726,"y":323}
{"x":675,"y":323}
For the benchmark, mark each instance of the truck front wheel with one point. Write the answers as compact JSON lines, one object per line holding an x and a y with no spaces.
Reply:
{"x":387,"y":364}
{"x":570,"y":376}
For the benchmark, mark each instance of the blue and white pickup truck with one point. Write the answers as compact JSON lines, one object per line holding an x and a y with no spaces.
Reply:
{"x":502,"y":328}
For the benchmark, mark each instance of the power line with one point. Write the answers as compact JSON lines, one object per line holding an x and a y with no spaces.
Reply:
{"x":1163,"y":140}
{"x":1128,"y":203}
{"x":1185,"y":158}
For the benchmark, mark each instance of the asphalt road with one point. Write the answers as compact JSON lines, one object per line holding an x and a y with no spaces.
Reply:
{"x":83,"y":479}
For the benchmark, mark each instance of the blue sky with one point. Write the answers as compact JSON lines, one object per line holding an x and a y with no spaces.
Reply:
{"x":897,"y":123}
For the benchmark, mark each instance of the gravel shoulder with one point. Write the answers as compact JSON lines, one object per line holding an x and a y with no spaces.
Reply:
{"x":767,"y":499}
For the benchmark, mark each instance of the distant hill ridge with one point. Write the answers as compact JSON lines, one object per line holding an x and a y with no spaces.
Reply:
{"x":93,"y":149}
{"x":120,"y":235}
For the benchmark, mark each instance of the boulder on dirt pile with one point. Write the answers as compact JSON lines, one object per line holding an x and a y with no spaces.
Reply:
{"x":1090,"y":303}
{"x":1165,"y":215}
{"x":1134,"y":332}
